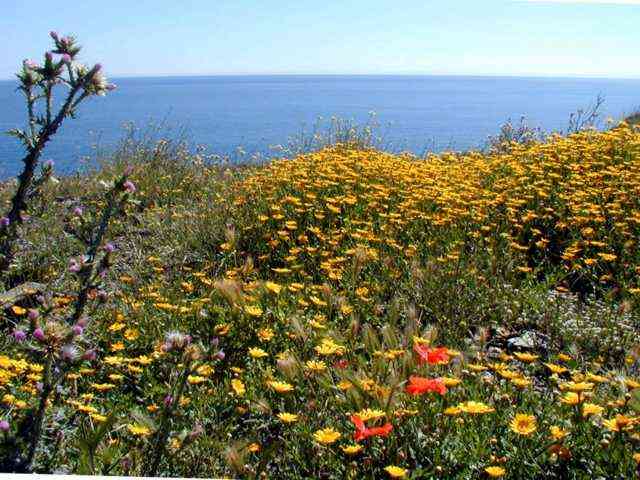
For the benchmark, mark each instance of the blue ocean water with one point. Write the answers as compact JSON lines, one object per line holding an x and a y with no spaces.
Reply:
{"x":256,"y":112}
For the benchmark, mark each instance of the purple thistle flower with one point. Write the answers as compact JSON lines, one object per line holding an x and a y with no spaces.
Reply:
{"x":33,"y":314}
{"x":19,"y":336}
{"x":89,"y":355}
{"x":66,"y":58}
{"x":220,"y":355}
{"x":54,"y":35}
{"x":109,"y":247}
{"x":4,"y":221}
{"x":48,"y":56}
{"x":77,"y":329}
{"x":168,"y":400}
{"x":129,"y":186}
{"x":49,"y":164}
{"x":78,"y":211}
{"x":4,"y":426}
{"x":38,"y":334}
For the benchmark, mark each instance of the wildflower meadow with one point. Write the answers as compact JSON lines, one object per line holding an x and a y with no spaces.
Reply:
{"x":343,"y":313}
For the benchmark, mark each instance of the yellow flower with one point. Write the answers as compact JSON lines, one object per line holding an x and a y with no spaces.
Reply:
{"x":576,"y":386}
{"x":526,"y":357}
{"x":316,"y":366}
{"x":523,"y":424}
{"x":196,"y":379}
{"x":370,"y":414}
{"x":476,"y":367}
{"x":329,"y":347}
{"x":273,"y":287}
{"x":253,"y":447}
{"x":591,"y":409}
{"x":288,"y":417}
{"x":452,"y":411}
{"x":521,"y":382}
{"x":102,"y":387}
{"x":345,"y":385}
{"x":326,"y":436}
{"x":352,"y":449}
{"x":265,"y":334}
{"x":636,"y":457}
{"x":570,"y":398}
{"x":280,"y":387}
{"x":556,"y":368}
{"x":450,"y":381}
{"x":557,"y":433}
{"x":238,"y":387}
{"x":17,"y":310}
{"x":253,"y":310}
{"x":620,"y":423}
{"x":98,"y":418}
{"x":396,"y":472}
{"x":596,"y":378}
{"x":495,"y":471}
{"x":204,"y":370}
{"x":475,"y":408}
{"x":131,"y":334}
{"x":257,"y":353}
{"x":139,"y":430}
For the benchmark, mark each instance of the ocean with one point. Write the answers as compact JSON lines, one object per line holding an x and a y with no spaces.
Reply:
{"x":256,"y":113}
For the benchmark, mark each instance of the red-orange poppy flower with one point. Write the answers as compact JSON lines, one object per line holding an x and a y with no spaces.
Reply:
{"x":420,"y":385}
{"x":432,"y":356}
{"x":363,"y":432}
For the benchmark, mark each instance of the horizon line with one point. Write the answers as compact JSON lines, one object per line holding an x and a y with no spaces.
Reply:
{"x":281,"y":74}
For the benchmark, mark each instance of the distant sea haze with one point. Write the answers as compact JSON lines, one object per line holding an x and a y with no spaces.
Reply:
{"x":416,"y":113}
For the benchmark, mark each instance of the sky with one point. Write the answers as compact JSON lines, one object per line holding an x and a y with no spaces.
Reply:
{"x":216,"y":37}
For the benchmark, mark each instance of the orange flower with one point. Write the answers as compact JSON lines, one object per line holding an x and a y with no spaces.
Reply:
{"x":362,"y":432}
{"x":432,"y":356}
{"x":420,"y":385}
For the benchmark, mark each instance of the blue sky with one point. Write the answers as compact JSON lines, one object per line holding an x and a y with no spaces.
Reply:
{"x":201,"y":37}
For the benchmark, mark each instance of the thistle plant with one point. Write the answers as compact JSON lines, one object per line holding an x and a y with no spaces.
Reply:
{"x":59,"y":342}
{"x":38,"y":83}
{"x":188,"y":357}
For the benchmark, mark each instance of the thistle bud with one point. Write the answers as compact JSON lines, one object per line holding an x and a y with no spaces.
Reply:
{"x":48,"y":57}
{"x":66,"y":58}
{"x":89,"y":355}
{"x":38,"y":334}
{"x":4,"y":426}
{"x":129,"y":186}
{"x":19,"y":335}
